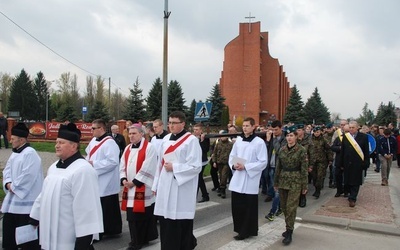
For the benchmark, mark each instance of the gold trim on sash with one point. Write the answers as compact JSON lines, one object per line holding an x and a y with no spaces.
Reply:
{"x":355,"y":145}
{"x":339,"y":132}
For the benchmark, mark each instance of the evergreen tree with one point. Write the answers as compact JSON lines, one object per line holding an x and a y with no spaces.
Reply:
{"x":135,"y":108}
{"x":294,"y":111}
{"x":386,"y":114}
{"x":99,"y":111}
{"x":22,"y":98}
{"x":225,"y":117}
{"x":315,"y":111}
{"x":190,"y":114}
{"x":154,"y":100}
{"x":217,"y":106}
{"x":41,"y":93}
{"x":67,"y":112}
{"x":367,"y":116}
{"x":176,"y":102}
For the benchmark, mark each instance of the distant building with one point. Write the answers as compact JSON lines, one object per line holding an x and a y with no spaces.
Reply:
{"x":252,"y":81}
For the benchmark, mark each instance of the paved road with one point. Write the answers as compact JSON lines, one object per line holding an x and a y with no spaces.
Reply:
{"x":372,"y":224}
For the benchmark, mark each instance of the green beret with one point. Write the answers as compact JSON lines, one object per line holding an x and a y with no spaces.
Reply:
{"x":291,"y":129}
{"x":299,"y":126}
{"x":317,"y":128}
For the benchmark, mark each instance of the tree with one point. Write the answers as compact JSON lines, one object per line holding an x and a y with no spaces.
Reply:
{"x":66,"y":101}
{"x":99,"y":111}
{"x":135,"y":108}
{"x":191,"y":113}
{"x":367,"y":116}
{"x":117,"y":104}
{"x":225,"y":116}
{"x":176,"y":102}
{"x":6,"y":81}
{"x":154,"y":101}
{"x":217,"y":106}
{"x":315,"y":111}
{"x":41,"y":93}
{"x":21,"y":98}
{"x":294,"y":111}
{"x":386,"y":114}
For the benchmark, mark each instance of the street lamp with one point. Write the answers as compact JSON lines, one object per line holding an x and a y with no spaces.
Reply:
{"x":47,"y":107}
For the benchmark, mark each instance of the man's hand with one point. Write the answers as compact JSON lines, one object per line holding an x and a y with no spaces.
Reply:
{"x":239,"y":167}
{"x":168,"y":166}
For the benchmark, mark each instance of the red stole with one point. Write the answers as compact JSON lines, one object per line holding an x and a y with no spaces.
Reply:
{"x":94,"y":149}
{"x":138,"y":202}
{"x":172,"y":148}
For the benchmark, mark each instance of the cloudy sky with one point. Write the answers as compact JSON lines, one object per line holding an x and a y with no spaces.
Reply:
{"x":349,"y":49}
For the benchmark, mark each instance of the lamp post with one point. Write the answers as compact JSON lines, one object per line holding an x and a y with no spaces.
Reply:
{"x":47,"y":107}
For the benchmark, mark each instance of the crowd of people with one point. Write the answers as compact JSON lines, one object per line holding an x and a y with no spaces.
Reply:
{"x":160,"y":173}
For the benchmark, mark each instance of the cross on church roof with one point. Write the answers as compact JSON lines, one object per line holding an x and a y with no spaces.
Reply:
{"x":250,"y":17}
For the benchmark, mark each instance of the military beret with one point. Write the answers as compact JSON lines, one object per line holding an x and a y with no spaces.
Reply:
{"x":329,"y":125}
{"x":291,"y":129}
{"x":299,"y":126}
{"x":316,"y":128}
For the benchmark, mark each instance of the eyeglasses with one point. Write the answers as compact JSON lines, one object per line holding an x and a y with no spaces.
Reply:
{"x":173,"y":123}
{"x":94,"y":128}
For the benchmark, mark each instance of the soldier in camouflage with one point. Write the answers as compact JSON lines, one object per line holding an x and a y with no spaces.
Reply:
{"x":304,"y":139}
{"x":220,"y":158}
{"x":320,"y":159}
{"x":291,"y":179}
{"x":328,"y":135}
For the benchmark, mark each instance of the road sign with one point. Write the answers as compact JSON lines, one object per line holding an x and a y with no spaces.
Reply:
{"x":372,"y":143}
{"x":84,"y":110}
{"x":203,"y":111}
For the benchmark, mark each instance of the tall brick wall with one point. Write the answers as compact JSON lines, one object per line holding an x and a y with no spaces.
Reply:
{"x":252,"y":81}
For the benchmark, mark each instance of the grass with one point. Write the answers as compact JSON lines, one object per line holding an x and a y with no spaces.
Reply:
{"x":49,"y":147}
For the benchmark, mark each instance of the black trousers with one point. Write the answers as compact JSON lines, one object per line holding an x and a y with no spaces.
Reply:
{"x":177,"y":234}
{"x":10,"y":222}
{"x":202,"y":184}
{"x":112,"y":220}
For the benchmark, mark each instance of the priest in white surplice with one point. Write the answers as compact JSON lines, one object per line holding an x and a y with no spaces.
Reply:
{"x":247,"y":159}
{"x":68,"y":209}
{"x":103,"y":153}
{"x":176,"y":186}
{"x":22,"y":183}
{"x":137,"y":169}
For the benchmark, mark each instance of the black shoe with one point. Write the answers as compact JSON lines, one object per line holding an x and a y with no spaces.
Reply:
{"x":204,"y":199}
{"x":317,"y":194}
{"x":214,"y":189}
{"x":239,"y":237}
{"x":222,"y":193}
{"x":288,"y":237}
{"x":346,"y":195}
{"x":314,"y":193}
{"x":338,"y":194}
{"x":268,"y":199}
{"x":303,"y":201}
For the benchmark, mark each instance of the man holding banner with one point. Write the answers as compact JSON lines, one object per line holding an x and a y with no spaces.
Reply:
{"x":354,"y":159}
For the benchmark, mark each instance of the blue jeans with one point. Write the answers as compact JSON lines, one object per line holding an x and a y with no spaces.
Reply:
{"x":275,"y":203}
{"x":263,"y":181}
{"x":378,"y":163}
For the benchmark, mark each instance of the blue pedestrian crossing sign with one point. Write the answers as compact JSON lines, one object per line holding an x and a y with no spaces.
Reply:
{"x":203,"y":111}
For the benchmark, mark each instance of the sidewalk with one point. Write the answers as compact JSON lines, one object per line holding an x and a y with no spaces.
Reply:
{"x":377,"y":209}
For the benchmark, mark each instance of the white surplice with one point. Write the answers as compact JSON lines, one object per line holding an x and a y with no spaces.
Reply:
{"x":255,"y":153}
{"x":106,"y":163}
{"x":24,"y":171}
{"x":145,"y":175}
{"x":177,"y":190}
{"x":68,"y":206}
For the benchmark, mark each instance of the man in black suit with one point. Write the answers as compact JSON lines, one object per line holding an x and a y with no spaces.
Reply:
{"x":354,"y":160}
{"x":119,"y":139}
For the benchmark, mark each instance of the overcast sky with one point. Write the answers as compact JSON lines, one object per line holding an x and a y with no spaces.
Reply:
{"x":349,"y":49}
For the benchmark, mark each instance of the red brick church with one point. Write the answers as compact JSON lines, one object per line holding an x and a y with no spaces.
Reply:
{"x":252,"y":81}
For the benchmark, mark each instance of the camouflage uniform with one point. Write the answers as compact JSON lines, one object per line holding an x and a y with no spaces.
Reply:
{"x":306,"y":142}
{"x":291,"y":178}
{"x":321,"y":155}
{"x":332,"y":181}
{"x":221,"y":157}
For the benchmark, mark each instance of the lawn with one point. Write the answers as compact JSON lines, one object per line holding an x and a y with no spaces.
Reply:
{"x":49,"y":147}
